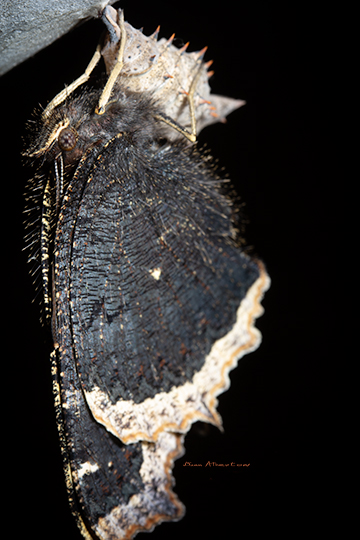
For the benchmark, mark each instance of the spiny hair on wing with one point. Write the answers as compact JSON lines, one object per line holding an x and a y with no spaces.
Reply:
{"x":32,"y":224}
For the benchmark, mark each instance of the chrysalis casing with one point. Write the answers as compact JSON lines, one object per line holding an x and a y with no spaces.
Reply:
{"x":150,"y":297}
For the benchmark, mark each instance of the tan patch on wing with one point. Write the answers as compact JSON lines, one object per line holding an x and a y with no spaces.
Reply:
{"x":157,"y":502}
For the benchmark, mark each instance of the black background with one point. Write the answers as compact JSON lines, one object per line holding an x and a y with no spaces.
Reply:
{"x":273,"y":411}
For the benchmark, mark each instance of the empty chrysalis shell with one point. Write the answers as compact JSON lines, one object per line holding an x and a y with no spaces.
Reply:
{"x":165,"y":72}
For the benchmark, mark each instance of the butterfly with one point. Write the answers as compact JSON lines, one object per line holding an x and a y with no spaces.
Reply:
{"x":150,"y":296}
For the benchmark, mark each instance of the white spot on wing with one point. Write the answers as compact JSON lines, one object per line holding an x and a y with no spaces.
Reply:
{"x":87,"y":468}
{"x":155,"y":273}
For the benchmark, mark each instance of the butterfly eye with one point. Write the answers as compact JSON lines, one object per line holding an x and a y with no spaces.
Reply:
{"x":67,"y":139}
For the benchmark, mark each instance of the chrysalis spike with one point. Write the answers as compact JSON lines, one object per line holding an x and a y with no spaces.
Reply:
{"x":154,"y":36}
{"x":200,"y":54}
{"x":105,"y":96}
{"x":184,"y":47}
{"x":170,"y":40}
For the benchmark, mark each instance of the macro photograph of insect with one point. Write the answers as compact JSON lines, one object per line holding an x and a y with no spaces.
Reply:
{"x":153,"y":239}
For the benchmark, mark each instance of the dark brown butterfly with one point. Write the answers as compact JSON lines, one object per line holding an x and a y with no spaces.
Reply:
{"x":150,"y":296}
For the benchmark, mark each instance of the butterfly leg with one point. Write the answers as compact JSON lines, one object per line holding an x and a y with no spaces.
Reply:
{"x":106,"y":93}
{"x":190,"y":97}
{"x":78,"y":82}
